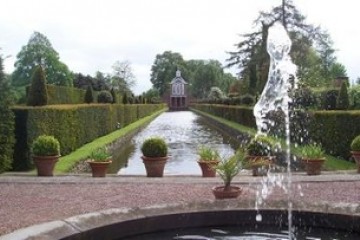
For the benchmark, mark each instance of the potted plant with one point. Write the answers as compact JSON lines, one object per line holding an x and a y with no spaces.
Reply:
{"x":209,"y":158}
{"x":355,"y":151}
{"x":313,"y":157}
{"x":99,"y":161}
{"x":46,"y":152}
{"x":154,"y":150}
{"x":260,"y":152}
{"x":228,"y":169}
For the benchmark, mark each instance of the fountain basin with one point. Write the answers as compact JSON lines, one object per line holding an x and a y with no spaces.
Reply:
{"x":123,"y":223}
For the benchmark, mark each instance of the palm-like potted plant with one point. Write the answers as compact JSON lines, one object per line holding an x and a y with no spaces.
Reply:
{"x":260,"y":153}
{"x":313,"y":157}
{"x":46,"y":152}
{"x":99,"y":161}
{"x":355,"y":151}
{"x":154,"y":150}
{"x":228,"y":169}
{"x":209,"y":159}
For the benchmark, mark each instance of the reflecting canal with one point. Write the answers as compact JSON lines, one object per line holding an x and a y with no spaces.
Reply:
{"x":184,"y":131}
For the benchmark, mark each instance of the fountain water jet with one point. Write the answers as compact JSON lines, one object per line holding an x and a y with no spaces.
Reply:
{"x":276,"y":96}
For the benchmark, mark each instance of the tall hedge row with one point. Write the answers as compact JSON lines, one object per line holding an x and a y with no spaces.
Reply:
{"x":240,"y":114}
{"x":72,"y":125}
{"x":334,"y":130}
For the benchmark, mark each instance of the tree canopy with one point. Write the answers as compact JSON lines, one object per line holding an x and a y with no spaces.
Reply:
{"x":200,"y":74}
{"x":311,"y":49}
{"x":39,"y":51}
{"x":164,"y":68}
{"x":122,"y":78}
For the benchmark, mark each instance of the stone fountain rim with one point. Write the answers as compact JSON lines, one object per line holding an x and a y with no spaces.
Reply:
{"x":72,"y":227}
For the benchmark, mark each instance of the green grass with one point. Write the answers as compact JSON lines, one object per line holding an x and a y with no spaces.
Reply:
{"x":66,"y":163}
{"x":331,"y":164}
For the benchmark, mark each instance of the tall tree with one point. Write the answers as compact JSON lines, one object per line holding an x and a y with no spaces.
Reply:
{"x":164,"y":68}
{"x":38,"y":93}
{"x":39,"y":51}
{"x":207,"y":74}
{"x":7,"y":124}
{"x":123,"y":77}
{"x":251,"y":56}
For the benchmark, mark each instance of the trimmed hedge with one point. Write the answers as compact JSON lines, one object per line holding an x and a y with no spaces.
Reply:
{"x":239,"y":114}
{"x":72,"y":125}
{"x":334,"y":130}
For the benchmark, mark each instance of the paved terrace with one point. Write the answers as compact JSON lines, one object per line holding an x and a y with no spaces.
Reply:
{"x":26,"y":200}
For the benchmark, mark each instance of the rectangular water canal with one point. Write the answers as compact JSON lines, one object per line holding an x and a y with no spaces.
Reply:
{"x":184,"y":132}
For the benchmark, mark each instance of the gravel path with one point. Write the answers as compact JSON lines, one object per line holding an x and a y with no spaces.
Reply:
{"x":27,"y":203}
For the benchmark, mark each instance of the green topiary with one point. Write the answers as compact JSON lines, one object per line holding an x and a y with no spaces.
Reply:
{"x":355,"y":144}
{"x":154,"y":147}
{"x":104,"y":97}
{"x":89,"y":95}
{"x":260,"y":146}
{"x":7,"y":123}
{"x":45,"y":145}
{"x":342,"y":101}
{"x":113,"y":94}
{"x":329,"y":99}
{"x":38,"y":93}
{"x":125,"y":99}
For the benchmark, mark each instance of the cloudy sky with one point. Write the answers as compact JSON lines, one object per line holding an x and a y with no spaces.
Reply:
{"x":90,"y":35}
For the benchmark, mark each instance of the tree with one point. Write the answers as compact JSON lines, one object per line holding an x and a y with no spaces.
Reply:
{"x":358,"y":80}
{"x":207,"y":74}
{"x":89,"y":95}
{"x":7,"y":124}
{"x":123,"y":78}
{"x":113,"y":94}
{"x":251,"y":56}
{"x":38,"y":93}
{"x":342,"y":101}
{"x":215,"y":93}
{"x":337,"y":70}
{"x":164,"y":68}
{"x":40,"y":51}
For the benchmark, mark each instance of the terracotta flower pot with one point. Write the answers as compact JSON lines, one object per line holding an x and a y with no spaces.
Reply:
{"x":99,"y":169}
{"x":356,"y":156}
{"x":154,"y":166}
{"x":313,"y":166}
{"x":45,"y":165}
{"x":219,"y":192}
{"x":208,"y":168}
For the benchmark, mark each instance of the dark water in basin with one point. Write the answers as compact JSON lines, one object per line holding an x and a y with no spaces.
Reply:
{"x":184,"y":131}
{"x":239,"y":233}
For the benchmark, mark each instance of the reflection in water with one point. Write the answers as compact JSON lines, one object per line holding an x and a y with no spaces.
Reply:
{"x":183,"y":131}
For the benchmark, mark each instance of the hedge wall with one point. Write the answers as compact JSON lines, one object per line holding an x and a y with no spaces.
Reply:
{"x":72,"y":125}
{"x":240,"y":114}
{"x":334,"y":130}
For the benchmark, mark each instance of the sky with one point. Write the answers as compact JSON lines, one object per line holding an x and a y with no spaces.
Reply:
{"x":91,"y":35}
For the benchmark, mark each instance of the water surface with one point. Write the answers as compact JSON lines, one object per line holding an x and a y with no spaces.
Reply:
{"x":184,"y":131}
